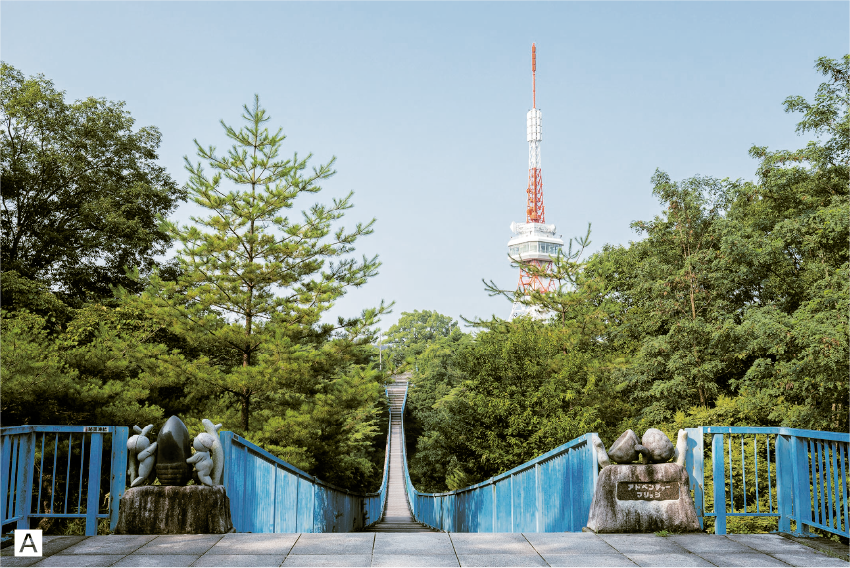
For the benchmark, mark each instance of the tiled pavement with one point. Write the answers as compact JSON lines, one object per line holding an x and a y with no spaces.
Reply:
{"x":425,"y":549}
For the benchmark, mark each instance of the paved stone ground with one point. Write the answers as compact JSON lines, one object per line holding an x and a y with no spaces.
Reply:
{"x":426,"y":549}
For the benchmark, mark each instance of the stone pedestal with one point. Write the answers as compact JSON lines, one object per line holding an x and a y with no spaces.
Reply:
{"x":642,"y":499}
{"x":158,"y":509}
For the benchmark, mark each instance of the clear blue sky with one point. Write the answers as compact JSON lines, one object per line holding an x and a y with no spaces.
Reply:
{"x":424,"y":105}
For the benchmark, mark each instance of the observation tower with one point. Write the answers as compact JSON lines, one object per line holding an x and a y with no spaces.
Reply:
{"x":534,"y":242}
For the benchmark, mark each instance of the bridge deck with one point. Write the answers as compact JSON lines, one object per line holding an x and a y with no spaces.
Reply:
{"x":397,"y":516}
{"x":434,"y":549}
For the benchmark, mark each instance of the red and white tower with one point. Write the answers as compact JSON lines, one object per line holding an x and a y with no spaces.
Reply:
{"x":534,"y":242}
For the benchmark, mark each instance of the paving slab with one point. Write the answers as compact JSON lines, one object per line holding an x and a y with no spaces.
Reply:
{"x":155,"y":560}
{"x":754,"y":559}
{"x":568,"y":543}
{"x":811,"y":559}
{"x":425,"y":549}
{"x":770,"y":543}
{"x":109,"y":544}
{"x":713,"y":543}
{"x":20,"y":561}
{"x":413,"y":543}
{"x":182,"y":543}
{"x":51,"y":544}
{"x":491,"y":543}
{"x":328,"y":560}
{"x":240,"y":560}
{"x":346,"y":544}
{"x":629,"y":544}
{"x":70,"y":560}
{"x":500,"y":560}
{"x":673,"y":560}
{"x":243,"y":543}
{"x":587,"y":560}
{"x":825,"y":545}
{"x":436,"y":560}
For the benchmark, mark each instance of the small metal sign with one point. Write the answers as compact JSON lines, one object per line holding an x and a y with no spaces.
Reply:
{"x":631,"y":491}
{"x":96,"y":429}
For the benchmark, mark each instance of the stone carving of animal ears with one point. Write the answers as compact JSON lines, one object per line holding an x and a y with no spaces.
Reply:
{"x":143,"y":431}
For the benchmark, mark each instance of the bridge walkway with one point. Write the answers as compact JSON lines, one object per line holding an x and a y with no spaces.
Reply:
{"x":435,"y":549}
{"x":397,"y":516}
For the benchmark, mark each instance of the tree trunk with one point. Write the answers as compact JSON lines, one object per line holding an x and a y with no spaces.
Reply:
{"x":246,"y":409}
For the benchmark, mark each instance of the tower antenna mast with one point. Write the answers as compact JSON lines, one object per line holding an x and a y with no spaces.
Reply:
{"x":534,"y":243}
{"x":533,"y":76}
{"x":535,"y":212}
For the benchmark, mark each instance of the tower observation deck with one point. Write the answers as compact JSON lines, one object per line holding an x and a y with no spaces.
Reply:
{"x":534,"y":242}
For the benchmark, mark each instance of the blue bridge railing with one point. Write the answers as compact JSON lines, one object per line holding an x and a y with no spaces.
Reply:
{"x":268,"y":495}
{"x":551,"y":493}
{"x":797,"y":476}
{"x":58,"y":472}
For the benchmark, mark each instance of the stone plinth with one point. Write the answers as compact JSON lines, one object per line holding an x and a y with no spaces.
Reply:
{"x":642,"y":499}
{"x":158,"y":509}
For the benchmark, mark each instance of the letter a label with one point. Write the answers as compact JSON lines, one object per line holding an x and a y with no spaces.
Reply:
{"x":28,"y":542}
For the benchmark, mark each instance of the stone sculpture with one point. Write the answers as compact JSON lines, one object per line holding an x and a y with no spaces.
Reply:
{"x":172,"y":457}
{"x":657,"y":447}
{"x":680,"y":451}
{"x":202,"y":462}
{"x":209,"y":457}
{"x":140,"y":455}
{"x":645,"y":497}
{"x":654,"y":447}
{"x":172,"y":507}
{"x":172,"y":453}
{"x":626,"y":449}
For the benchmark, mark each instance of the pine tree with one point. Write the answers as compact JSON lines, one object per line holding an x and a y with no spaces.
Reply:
{"x":250,"y":277}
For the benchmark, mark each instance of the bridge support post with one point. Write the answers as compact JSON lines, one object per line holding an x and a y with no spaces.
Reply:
{"x":802,"y":484}
{"x":718,"y":467}
{"x":784,"y":482}
{"x":23,"y":488}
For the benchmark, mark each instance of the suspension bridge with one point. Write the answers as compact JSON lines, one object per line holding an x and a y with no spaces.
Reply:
{"x":530,"y":515}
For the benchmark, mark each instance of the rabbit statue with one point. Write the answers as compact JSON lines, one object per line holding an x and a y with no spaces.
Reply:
{"x":209,"y":455}
{"x":141,"y":455}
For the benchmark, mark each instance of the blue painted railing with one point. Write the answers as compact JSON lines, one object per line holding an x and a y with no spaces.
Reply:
{"x":268,"y":495}
{"x":551,"y":493}
{"x":797,"y":476}
{"x":56,"y":472}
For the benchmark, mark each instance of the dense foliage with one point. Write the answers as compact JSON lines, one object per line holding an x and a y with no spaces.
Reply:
{"x":518,"y":390}
{"x":414,"y":333}
{"x":81,"y":190}
{"x":230,"y":329}
{"x":731,"y":310}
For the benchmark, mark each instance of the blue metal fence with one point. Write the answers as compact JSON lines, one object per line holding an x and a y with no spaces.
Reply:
{"x":797,"y":476}
{"x":551,"y":493}
{"x":56,"y":472}
{"x":268,"y":495}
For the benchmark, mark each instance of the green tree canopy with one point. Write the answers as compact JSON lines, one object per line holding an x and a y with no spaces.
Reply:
{"x":740,"y":289}
{"x":516,"y":391}
{"x":732,"y":309}
{"x":254,"y":283}
{"x":414,"y":331}
{"x":81,"y":190}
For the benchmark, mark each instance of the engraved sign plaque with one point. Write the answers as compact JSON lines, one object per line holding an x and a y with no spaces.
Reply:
{"x":631,"y":491}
